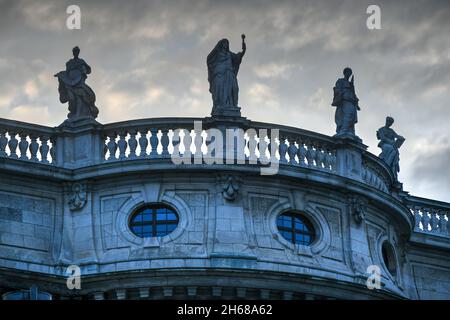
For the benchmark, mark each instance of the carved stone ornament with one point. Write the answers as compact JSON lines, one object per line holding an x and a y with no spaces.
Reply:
{"x":230,"y":188}
{"x":358,"y":208}
{"x":78,"y":198}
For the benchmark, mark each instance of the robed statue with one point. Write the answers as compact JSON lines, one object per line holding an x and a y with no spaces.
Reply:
{"x":389,"y":143}
{"x":346,"y":103}
{"x":223,"y":67}
{"x":73,"y":89}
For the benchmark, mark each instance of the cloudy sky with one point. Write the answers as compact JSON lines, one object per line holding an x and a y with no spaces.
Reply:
{"x":148,"y":60}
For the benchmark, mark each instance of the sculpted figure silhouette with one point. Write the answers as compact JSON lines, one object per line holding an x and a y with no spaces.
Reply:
{"x":73,"y":89}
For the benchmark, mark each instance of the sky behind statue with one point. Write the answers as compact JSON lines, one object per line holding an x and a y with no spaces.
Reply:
{"x":148,"y":60}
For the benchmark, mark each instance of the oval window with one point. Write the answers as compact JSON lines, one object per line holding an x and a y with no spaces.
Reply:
{"x":389,"y":260}
{"x":155,"y":220}
{"x":295,"y":228}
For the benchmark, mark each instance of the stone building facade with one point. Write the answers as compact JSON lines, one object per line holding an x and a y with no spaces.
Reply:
{"x":69,"y":194}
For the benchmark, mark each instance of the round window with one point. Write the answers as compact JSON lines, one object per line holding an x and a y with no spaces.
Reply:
{"x":295,"y":228}
{"x":156,"y":220}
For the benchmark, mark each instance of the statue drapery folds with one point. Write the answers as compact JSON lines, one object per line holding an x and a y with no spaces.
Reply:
{"x":390,"y":142}
{"x":223,"y":67}
{"x":73,"y":89}
{"x":346,"y":103}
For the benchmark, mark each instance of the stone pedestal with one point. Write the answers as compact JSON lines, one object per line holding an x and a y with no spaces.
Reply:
{"x":226,"y":112}
{"x":79,"y":143}
{"x":349,"y":157}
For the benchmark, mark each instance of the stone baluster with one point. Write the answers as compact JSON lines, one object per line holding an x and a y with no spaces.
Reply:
{"x":252,"y":145}
{"x":301,"y":153}
{"x":292,"y":151}
{"x":241,"y":152}
{"x":319,"y":156}
{"x":112,"y":146}
{"x":154,"y":141}
{"x":3,"y":143}
{"x":425,"y":219}
{"x":176,"y":143}
{"x":132,"y":143}
{"x":187,"y":142}
{"x":417,"y":217}
{"x":332,"y":160}
{"x":434,"y":221}
{"x":198,"y":142}
{"x":262,"y":147}
{"x":442,"y":222}
{"x":53,"y":150}
{"x":165,"y":143}
{"x":12,"y":144}
{"x":122,"y":145}
{"x":310,"y":154}
{"x":44,"y":149}
{"x":23,"y":146}
{"x":269,"y":146}
{"x":326,"y":158}
{"x":282,"y":149}
{"x":143,"y":143}
{"x":34,"y":147}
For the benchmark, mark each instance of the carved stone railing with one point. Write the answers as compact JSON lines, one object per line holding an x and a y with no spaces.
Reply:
{"x":27,"y":142}
{"x":302,"y":148}
{"x":90,"y":143}
{"x":154,"y":139}
{"x":376,"y":173}
{"x":431,"y":217}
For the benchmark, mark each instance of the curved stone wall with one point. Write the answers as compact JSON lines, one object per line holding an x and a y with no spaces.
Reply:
{"x":75,"y":211}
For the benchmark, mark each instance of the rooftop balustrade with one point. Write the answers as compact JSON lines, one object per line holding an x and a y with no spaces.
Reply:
{"x":160,"y":138}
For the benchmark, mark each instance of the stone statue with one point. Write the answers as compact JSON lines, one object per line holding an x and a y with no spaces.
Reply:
{"x":389,"y":143}
{"x":346,"y":104}
{"x":73,"y":89}
{"x":223,"y":67}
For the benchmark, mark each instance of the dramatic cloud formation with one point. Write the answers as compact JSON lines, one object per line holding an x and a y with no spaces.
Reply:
{"x":148,"y":60}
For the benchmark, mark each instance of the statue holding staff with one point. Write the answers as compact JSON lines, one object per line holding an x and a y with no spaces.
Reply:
{"x":223,"y":67}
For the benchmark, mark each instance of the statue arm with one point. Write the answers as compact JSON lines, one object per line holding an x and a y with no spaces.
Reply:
{"x":87,"y":67}
{"x":244,"y":45}
{"x":382,"y":137}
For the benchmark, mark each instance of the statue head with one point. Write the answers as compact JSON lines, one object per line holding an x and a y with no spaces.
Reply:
{"x":76,"y":52}
{"x":389,"y":121}
{"x":347,"y":73}
{"x":224,"y":44}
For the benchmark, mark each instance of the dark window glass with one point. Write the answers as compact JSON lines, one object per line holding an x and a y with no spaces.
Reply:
{"x":295,"y":228}
{"x":153,"y":221}
{"x":389,"y":257}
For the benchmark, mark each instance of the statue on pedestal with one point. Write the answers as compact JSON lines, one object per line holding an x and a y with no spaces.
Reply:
{"x":346,"y":103}
{"x":73,"y":89}
{"x":223,"y":66}
{"x":389,"y":143}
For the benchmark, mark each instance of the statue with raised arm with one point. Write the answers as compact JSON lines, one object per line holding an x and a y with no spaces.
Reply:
{"x":73,"y":89}
{"x":389,"y":143}
{"x":346,"y":103}
{"x":223,"y":66}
